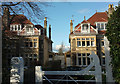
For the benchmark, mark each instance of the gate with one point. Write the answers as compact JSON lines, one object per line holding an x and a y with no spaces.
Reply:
{"x":40,"y":75}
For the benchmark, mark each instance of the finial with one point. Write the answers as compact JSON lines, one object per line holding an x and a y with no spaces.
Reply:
{"x":70,"y":21}
{"x":84,"y":17}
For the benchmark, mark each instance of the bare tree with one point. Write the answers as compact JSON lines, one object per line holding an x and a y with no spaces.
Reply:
{"x":33,"y":10}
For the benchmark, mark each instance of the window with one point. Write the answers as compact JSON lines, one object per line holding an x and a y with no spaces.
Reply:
{"x":35,"y":40}
{"x":83,"y":38}
{"x":92,"y":43}
{"x":98,"y":25}
{"x":18,"y":27}
{"x":88,"y":54}
{"x":83,"y":54}
{"x":35,"y":44}
{"x":92,"y":38}
{"x":88,"y":61}
{"x":105,"y":25}
{"x":26,"y":44}
{"x":88,"y":43}
{"x":84,"y":61}
{"x":35,"y":55}
{"x":15,"y":27}
{"x":41,"y":31}
{"x":27,"y":29}
{"x":30,"y":55}
{"x":103,"y":61}
{"x":31,"y":44}
{"x":85,"y":27}
{"x":102,"y":26}
{"x":78,"y":38}
{"x":78,"y":43}
{"x":79,"y":54}
{"x":102,"y":43}
{"x":79,"y":60}
{"x":50,"y":56}
{"x":31,"y":29}
{"x":83,"y":43}
{"x":87,"y":38}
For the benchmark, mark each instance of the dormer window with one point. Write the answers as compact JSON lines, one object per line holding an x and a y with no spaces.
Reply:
{"x":101,"y":25}
{"x":85,"y":28}
{"x":15,"y":27}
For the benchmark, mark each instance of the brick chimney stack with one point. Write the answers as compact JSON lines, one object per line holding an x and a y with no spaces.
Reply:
{"x":45,"y":26}
{"x":49,"y":31}
{"x":6,"y":18}
{"x":71,"y":26}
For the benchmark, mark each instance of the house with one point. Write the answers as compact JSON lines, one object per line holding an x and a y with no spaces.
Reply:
{"x":26,"y":39}
{"x":88,"y":36}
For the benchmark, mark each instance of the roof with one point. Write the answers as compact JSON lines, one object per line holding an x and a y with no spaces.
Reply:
{"x":102,"y":32}
{"x":98,"y":17}
{"x":38,"y":26}
{"x":84,"y":21}
{"x":20,"y":19}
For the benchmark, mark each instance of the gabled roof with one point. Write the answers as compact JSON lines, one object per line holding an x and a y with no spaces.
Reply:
{"x":19,"y":19}
{"x":84,"y":21}
{"x":98,"y":17}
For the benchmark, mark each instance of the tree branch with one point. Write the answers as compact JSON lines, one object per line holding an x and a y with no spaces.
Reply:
{"x":11,"y":4}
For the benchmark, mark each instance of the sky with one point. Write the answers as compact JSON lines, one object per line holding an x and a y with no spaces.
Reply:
{"x":60,"y":13}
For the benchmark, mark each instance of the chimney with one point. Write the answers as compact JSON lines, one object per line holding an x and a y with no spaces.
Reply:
{"x":49,"y":31}
{"x":110,"y":10}
{"x":71,"y":26}
{"x":45,"y":25}
{"x":6,"y":18}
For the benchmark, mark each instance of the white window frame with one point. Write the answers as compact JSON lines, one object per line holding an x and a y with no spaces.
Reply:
{"x":100,"y":25}
{"x":85,"y":30}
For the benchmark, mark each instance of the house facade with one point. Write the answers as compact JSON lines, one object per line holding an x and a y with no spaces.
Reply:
{"x":88,"y":36}
{"x":26,"y":39}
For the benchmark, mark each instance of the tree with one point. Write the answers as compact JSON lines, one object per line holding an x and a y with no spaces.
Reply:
{"x":60,"y":51}
{"x":32,"y":10}
{"x":113,"y":35}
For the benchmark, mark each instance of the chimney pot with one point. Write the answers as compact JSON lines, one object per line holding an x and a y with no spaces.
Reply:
{"x":45,"y":18}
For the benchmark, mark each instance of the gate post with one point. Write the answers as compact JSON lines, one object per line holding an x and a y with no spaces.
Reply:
{"x":98,"y":72}
{"x":17,"y":70}
{"x":108,"y":67}
{"x":38,"y":75}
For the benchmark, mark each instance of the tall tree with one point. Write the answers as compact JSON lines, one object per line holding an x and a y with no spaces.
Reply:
{"x":113,"y":35}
